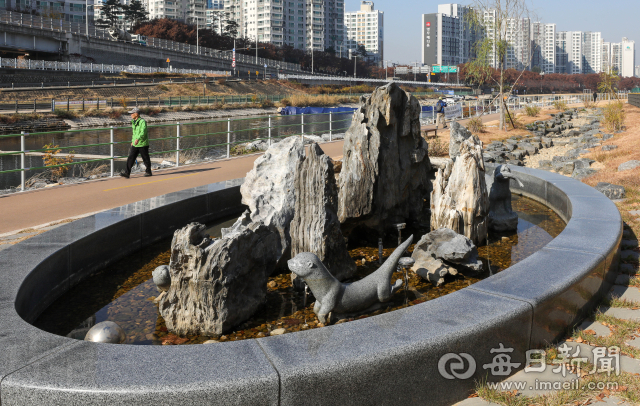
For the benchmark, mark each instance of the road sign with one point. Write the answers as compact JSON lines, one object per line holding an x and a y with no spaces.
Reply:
{"x":445,"y":69}
{"x":233,"y":63}
{"x":265,"y":65}
{"x":168,"y":60}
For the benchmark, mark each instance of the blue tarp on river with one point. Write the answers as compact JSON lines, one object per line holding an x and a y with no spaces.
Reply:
{"x":292,"y":111}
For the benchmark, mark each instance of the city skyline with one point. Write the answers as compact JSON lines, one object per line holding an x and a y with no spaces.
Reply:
{"x":401,"y":48}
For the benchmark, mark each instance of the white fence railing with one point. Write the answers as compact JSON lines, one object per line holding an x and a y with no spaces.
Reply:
{"x":44,"y":23}
{"x":97,"y":67}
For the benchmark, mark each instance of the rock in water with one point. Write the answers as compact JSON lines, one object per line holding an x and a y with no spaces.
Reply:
{"x":501,"y":215}
{"x":216,"y":285}
{"x":268,"y":190}
{"x":315,"y":226}
{"x":458,"y":135}
{"x":385,"y":168}
{"x":459,"y":199}
{"x":444,"y":249}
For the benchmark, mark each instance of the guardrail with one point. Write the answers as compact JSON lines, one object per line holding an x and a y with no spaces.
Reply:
{"x":179,"y":135}
{"x":476,"y":108}
{"x":16,"y":63}
{"x":367,"y":80}
{"x":44,"y":23}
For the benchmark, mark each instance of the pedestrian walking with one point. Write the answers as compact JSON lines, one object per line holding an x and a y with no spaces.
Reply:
{"x":595,"y":97}
{"x":440,"y":105}
{"x":139,"y":144}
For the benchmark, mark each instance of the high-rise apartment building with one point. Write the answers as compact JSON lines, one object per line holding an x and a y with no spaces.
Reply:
{"x":519,"y":50}
{"x":366,"y":28}
{"x":543,"y":43}
{"x":74,"y":11}
{"x":301,"y":23}
{"x":616,"y":57}
{"x":447,"y":38}
{"x":592,"y":52}
{"x":569,"y":52}
{"x":188,"y":11}
{"x":606,"y":56}
{"x":628,"y":50}
{"x":638,"y":71}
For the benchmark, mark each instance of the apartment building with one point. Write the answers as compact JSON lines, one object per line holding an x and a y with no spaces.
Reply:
{"x":628,"y":51}
{"x":447,"y":38}
{"x":519,"y":51}
{"x":543,"y":43}
{"x":592,"y":52}
{"x":638,"y":71}
{"x":188,"y":11}
{"x":68,"y":10}
{"x":302,"y":24}
{"x":366,"y":28}
{"x":606,"y":56}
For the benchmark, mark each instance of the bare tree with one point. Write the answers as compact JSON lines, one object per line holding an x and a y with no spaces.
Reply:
{"x":502,"y":31}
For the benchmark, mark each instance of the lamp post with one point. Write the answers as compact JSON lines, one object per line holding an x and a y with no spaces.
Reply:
{"x":355,"y":65}
{"x":86,"y":18}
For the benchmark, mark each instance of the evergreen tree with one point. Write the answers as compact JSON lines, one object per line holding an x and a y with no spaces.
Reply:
{"x":111,"y":9}
{"x":135,"y":13}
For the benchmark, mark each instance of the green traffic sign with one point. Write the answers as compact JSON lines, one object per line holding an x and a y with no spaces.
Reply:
{"x":445,"y":69}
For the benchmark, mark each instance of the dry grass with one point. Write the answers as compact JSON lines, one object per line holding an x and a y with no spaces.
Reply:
{"x":628,"y":149}
{"x":614,"y":116}
{"x":475,"y":125}
{"x":437,"y":148}
{"x":560,"y":105}
{"x":532,"y":111}
{"x":303,"y":100}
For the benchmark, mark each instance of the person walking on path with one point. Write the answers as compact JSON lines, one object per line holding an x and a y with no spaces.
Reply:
{"x":440,"y":105}
{"x":595,"y":97}
{"x":139,"y":144}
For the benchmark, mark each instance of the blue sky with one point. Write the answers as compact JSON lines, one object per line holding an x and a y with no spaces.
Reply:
{"x":614,"y":18}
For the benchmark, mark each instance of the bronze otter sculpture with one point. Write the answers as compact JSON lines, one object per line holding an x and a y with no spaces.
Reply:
{"x":333,"y":296}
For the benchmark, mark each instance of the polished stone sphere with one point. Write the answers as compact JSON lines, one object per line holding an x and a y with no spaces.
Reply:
{"x":162,"y":277}
{"x":106,"y":332}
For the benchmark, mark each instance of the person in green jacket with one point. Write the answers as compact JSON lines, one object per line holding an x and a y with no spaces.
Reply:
{"x":139,"y":144}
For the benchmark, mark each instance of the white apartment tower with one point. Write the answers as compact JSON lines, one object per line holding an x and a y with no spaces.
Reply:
{"x":292,"y":23}
{"x":569,"y":52}
{"x":446,"y":36}
{"x":543,"y":39}
{"x":519,"y":53}
{"x":606,"y":57}
{"x":366,"y":28}
{"x":188,"y":11}
{"x":592,"y":52}
{"x":628,"y":50}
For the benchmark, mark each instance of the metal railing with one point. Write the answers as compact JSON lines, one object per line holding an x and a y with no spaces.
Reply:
{"x":366,"y":80}
{"x":476,"y":108}
{"x":16,"y":63}
{"x":44,"y":23}
{"x":69,"y":104}
{"x":179,"y":135}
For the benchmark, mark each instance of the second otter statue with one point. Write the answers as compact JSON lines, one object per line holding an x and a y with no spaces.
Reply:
{"x":342,"y":298}
{"x":501,"y":216}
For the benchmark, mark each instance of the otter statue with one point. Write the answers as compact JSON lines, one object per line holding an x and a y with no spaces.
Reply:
{"x":333,"y":296}
{"x":501,"y":215}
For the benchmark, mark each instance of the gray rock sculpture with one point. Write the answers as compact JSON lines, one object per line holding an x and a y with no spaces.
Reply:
{"x":385,"y":166}
{"x":268,"y":190}
{"x":216,"y":285}
{"x":106,"y":332}
{"x":501,"y":215}
{"x":315,"y":226}
{"x":613,"y":192}
{"x":629,"y":165}
{"x":458,"y":134}
{"x":162,"y":277}
{"x":339,"y":298}
{"x":459,"y":199}
{"x":444,"y":252}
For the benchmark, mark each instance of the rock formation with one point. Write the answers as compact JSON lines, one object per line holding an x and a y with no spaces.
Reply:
{"x":501,"y":215}
{"x":216,"y":285}
{"x":315,"y":227}
{"x":459,"y":199}
{"x":458,"y":135}
{"x":268,"y":190}
{"x":444,"y":252}
{"x":385,"y":167}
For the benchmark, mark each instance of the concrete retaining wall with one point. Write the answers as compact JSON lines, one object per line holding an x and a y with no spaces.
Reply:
{"x":388,"y":359}
{"x":634,"y":99}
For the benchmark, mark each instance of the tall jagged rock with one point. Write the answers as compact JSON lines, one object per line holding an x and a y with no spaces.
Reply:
{"x":269,"y":191}
{"x":459,"y":199}
{"x":216,"y":285}
{"x":385,"y":167}
{"x":457,"y":135}
{"x":315,"y":226}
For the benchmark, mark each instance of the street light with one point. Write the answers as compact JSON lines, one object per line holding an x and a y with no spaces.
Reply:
{"x":386,"y":68}
{"x":355,"y":65}
{"x":86,"y":18}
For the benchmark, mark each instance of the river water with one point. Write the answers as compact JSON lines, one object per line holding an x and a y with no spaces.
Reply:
{"x":211,"y":134}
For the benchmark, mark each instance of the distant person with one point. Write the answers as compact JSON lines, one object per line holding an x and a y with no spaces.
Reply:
{"x":139,"y":144}
{"x":595,"y":97}
{"x":440,"y":105}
